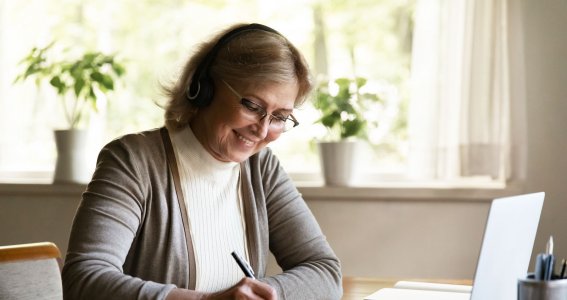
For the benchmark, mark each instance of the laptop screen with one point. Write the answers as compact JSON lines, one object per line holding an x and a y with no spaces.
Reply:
{"x":507,"y":246}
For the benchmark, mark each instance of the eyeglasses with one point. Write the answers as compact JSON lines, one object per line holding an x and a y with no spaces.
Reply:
{"x":255,"y":112}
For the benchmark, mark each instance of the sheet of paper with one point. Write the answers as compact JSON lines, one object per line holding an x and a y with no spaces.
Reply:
{"x":405,"y":294}
{"x":429,"y":286}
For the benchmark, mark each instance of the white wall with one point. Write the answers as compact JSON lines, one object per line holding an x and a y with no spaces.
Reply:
{"x":404,"y":238}
{"x":37,"y":213}
{"x":546,"y":66}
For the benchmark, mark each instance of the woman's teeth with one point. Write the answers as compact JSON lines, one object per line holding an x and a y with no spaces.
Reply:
{"x":245,"y":140}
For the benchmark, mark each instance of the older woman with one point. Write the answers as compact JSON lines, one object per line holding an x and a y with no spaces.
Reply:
{"x":166,"y":207}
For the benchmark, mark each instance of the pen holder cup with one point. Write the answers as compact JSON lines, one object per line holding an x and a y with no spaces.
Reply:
{"x":531,"y":289}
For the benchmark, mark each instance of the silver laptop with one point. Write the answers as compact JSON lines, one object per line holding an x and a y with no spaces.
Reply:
{"x":507,"y":244}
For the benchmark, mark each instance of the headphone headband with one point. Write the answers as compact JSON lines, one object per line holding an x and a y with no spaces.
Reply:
{"x":200,"y":90}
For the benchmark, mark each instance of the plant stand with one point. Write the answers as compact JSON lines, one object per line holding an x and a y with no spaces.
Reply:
{"x":339,"y":162}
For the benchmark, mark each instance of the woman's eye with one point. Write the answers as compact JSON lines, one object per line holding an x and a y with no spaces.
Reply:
{"x":280,"y":118}
{"x":251,"y":106}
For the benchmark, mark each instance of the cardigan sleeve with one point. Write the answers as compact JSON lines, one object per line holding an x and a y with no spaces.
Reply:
{"x":311,"y":270}
{"x":103,"y":231}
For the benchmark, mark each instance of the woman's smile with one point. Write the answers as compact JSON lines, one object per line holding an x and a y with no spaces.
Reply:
{"x":246,"y":141}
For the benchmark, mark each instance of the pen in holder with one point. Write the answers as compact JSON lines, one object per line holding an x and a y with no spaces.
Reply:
{"x":544,"y":283}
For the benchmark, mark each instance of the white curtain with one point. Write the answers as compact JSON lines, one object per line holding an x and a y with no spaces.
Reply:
{"x":467,"y":109}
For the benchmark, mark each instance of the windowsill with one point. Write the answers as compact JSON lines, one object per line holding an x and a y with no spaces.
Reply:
{"x":406,"y":191}
{"x":312,"y":190}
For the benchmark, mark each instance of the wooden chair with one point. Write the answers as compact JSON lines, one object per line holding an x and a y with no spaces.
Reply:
{"x":30,"y":271}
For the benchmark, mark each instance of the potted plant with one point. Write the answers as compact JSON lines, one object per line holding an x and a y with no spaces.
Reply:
{"x":79,"y":84}
{"x":342,"y":106}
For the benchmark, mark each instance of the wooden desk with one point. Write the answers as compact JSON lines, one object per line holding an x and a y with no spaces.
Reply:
{"x":356,"y":288}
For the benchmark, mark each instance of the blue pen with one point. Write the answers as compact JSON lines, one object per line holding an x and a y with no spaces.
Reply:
{"x":244,"y":266}
{"x":539,"y":270}
{"x":545,"y":263}
{"x":549,"y":261}
{"x":549,"y":266}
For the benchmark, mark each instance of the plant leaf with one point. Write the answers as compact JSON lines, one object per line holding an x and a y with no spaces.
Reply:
{"x":331,"y":119}
{"x":360,"y":82}
{"x":352,"y":127}
{"x":107,"y":82}
{"x":118,"y":68}
{"x":58,"y":84}
{"x":97,"y":76}
{"x":78,"y":86}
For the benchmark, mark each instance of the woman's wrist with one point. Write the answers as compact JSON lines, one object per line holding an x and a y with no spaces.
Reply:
{"x":185,"y":294}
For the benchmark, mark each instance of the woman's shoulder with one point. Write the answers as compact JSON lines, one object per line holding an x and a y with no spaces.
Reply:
{"x":148,"y":141}
{"x":141,"y":137}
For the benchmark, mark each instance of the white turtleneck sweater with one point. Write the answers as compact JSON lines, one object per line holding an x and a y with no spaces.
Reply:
{"x":212,"y":194}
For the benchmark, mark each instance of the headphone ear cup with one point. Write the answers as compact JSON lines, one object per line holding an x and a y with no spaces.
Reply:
{"x":206,"y":93}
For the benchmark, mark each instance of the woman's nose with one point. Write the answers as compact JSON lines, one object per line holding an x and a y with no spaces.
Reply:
{"x":262,"y":127}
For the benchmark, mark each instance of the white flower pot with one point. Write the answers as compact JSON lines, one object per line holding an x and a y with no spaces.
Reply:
{"x":72,"y":164}
{"x":339,"y":162}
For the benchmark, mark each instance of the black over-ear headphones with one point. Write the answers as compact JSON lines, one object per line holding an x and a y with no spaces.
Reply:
{"x":201,"y":89}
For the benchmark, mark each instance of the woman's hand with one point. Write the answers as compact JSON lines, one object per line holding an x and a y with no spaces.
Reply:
{"x":246,"y":289}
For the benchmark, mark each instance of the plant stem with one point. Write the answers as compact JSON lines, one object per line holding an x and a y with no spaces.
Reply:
{"x":77,"y":110}
{"x":75,"y":105}
{"x":68,"y":117}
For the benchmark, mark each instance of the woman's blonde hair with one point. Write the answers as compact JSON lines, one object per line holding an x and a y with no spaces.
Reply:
{"x":251,"y":57}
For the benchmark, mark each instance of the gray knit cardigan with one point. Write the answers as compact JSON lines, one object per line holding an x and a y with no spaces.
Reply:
{"x":129,"y":241}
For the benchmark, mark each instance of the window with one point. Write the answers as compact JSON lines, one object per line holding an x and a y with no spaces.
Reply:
{"x":370,"y":38}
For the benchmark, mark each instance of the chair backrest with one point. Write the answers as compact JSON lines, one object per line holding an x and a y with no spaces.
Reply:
{"x":30,"y":271}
